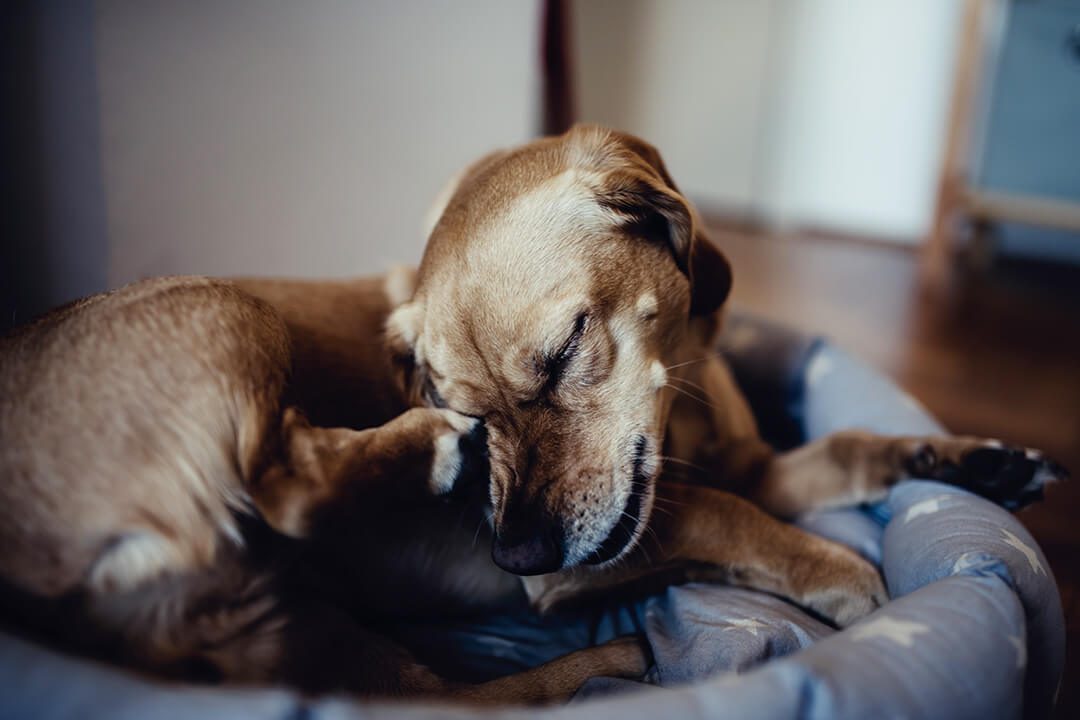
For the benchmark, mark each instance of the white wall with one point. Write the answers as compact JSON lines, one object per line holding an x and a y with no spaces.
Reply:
{"x":300,"y":138}
{"x":687,"y":75}
{"x":858,"y":122}
{"x":824,"y":113}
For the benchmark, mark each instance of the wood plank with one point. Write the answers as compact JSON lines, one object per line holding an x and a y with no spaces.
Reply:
{"x":1004,"y":207}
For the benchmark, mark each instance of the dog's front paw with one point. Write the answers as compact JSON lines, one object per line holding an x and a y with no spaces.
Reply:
{"x":847,"y":586}
{"x":1012,"y":477}
{"x":460,"y":462}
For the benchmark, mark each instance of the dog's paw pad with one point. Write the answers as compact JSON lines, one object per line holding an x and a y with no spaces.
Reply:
{"x":923,"y":462}
{"x":1010,"y":476}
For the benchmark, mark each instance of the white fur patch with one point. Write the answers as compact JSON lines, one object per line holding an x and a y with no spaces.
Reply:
{"x":658,"y":374}
{"x":562,"y":205}
{"x":135,"y":558}
{"x":447,"y":462}
{"x":647,"y":306}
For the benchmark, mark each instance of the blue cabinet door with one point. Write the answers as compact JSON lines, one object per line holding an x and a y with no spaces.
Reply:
{"x":1032,"y":142}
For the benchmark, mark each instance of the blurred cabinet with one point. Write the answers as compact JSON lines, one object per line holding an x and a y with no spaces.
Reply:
{"x":1031,"y":148}
{"x":1032,"y":143}
{"x":1011,"y":179}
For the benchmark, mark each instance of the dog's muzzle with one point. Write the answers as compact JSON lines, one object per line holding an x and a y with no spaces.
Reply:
{"x":623,"y":532}
{"x":531,"y":542}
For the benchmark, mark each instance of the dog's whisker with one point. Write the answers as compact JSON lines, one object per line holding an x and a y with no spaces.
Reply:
{"x":463,"y":513}
{"x":690,"y":395}
{"x":680,"y":461}
{"x":692,"y":384}
{"x":688,"y":362}
{"x":648,"y":558}
{"x":647,"y":528}
{"x":651,"y":533}
{"x":657,"y":508}
{"x":476,"y":535}
{"x":683,"y":474}
{"x":669,"y":501}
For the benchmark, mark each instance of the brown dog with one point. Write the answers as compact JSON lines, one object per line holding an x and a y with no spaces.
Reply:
{"x":565,"y":308}
{"x":140,"y":428}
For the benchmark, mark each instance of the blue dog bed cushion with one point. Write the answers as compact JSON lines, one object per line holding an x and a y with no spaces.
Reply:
{"x":974,"y":628}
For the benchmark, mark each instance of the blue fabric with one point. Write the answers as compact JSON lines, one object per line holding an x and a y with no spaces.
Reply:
{"x":974,"y":630}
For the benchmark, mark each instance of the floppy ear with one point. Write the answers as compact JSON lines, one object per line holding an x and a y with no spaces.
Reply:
{"x":640,"y":189}
{"x":710,"y":276}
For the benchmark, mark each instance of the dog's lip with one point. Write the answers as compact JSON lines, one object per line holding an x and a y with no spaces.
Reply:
{"x":623,"y":531}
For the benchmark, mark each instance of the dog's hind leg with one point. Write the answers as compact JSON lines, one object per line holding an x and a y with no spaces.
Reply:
{"x":558,"y":679}
{"x":320,"y":649}
{"x":851,"y":467}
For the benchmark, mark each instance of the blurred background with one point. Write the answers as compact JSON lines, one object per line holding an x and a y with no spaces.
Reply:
{"x":902,"y":175}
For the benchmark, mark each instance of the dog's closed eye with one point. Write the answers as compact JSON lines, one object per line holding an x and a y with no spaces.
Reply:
{"x":553,"y":366}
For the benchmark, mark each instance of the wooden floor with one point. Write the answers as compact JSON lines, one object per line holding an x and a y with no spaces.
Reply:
{"x":997,"y":354}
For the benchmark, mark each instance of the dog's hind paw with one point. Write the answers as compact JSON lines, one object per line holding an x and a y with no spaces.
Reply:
{"x":1012,"y":477}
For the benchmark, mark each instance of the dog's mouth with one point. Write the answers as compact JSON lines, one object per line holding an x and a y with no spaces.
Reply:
{"x":626,"y":529}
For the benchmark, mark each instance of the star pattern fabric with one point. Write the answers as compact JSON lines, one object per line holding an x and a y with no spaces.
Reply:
{"x":749,"y":624}
{"x":1025,"y":550}
{"x":901,"y":632}
{"x":925,"y":507}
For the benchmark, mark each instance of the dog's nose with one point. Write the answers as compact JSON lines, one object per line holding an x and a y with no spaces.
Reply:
{"x":534,"y":553}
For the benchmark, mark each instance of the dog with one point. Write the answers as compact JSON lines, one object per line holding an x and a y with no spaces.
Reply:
{"x":216,"y":478}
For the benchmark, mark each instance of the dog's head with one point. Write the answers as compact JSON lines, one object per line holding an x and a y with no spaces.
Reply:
{"x":556,"y":291}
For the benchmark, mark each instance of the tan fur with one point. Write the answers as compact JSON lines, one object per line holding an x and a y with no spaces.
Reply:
{"x":159,"y":444}
{"x":138,"y":425}
{"x":591,"y":224}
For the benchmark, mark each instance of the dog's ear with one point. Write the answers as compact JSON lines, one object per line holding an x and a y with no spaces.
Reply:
{"x":402,"y":329}
{"x":639,"y":188}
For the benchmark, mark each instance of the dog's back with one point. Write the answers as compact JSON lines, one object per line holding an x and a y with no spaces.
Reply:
{"x":122,"y":437}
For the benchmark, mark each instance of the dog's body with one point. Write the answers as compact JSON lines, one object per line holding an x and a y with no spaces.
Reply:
{"x":563,"y":319}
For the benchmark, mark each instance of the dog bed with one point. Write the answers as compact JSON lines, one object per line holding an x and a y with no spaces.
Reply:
{"x":974,"y":629}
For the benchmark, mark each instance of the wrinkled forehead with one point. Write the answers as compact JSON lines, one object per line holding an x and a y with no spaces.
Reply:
{"x":490,"y":319}
{"x":512,"y":275}
{"x":515,"y":237}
